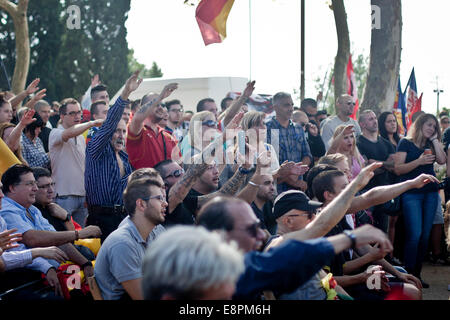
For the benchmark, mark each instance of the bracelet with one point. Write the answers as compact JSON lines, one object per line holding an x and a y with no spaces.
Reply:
{"x":352,"y":237}
{"x":77,"y":236}
{"x":253,"y":184}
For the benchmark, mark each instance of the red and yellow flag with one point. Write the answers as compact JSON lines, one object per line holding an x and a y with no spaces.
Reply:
{"x":212,"y":18}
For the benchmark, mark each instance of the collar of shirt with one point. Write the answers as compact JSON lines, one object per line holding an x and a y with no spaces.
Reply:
{"x":160,"y":130}
{"x":278,"y":124}
{"x":19,"y":209}
{"x":129,"y":224}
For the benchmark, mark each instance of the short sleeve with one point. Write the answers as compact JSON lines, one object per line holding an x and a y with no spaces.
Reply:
{"x":125,"y":262}
{"x":13,"y":220}
{"x":403,"y":146}
{"x":55,"y":137}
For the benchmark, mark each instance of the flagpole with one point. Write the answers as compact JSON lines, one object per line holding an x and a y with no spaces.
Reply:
{"x":250,"y":37}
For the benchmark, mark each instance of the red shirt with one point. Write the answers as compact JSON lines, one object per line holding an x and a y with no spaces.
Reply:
{"x":148,"y":148}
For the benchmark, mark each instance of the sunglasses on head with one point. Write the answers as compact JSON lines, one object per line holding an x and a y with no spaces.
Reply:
{"x":210,"y":123}
{"x":176,"y":173}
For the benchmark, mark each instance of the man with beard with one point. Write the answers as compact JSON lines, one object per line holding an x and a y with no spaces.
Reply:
{"x":107,"y":166}
{"x":147,"y":142}
{"x":344,"y":109}
{"x":118,"y":268}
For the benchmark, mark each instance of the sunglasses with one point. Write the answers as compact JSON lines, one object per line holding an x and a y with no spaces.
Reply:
{"x":176,"y":173}
{"x":73,"y":113}
{"x":210,"y":123}
{"x":351,"y":103}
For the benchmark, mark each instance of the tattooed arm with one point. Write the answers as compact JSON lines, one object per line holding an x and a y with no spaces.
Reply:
{"x":137,"y":122}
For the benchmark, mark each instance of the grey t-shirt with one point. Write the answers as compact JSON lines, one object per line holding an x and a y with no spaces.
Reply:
{"x":311,"y":290}
{"x":120,"y":259}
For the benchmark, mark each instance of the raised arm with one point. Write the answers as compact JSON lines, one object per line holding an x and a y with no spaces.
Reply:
{"x":106,"y":131}
{"x":383,"y":194}
{"x":441,"y":157}
{"x":13,"y":141}
{"x":32,"y":88}
{"x":336,"y":142}
{"x":78,"y":129}
{"x":137,"y":122}
{"x":237,"y":104}
{"x":336,"y":210}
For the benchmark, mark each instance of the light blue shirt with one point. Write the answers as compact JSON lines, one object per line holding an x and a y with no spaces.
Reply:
{"x":15,"y":216}
{"x":14,"y":259}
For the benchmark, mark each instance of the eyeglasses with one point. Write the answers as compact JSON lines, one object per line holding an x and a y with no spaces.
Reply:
{"x":73,"y":113}
{"x":46,"y":186}
{"x":252,"y":229}
{"x":28,"y":184}
{"x":161,"y":198}
{"x":210,"y":123}
{"x":176,"y":173}
{"x":177,"y":110}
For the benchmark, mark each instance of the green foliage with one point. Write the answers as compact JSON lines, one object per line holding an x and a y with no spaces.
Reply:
{"x":133,"y":65}
{"x":360,"y":66}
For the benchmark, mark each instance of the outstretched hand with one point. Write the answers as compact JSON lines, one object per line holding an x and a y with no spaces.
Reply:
{"x":363,"y":178}
{"x":423,"y":179}
{"x":28,"y":118}
{"x":8,"y":239}
{"x":33,"y":86}
{"x":131,"y":85}
{"x":168,"y":89}
{"x":249,"y":89}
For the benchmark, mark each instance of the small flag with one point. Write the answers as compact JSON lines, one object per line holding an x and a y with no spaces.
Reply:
{"x":212,"y":18}
{"x":413,"y":104}
{"x":399,"y":108}
{"x":352,"y":88}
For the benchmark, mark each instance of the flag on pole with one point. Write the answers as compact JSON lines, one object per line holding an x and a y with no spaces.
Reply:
{"x":399,"y":108}
{"x":212,"y":18}
{"x":352,"y":88}
{"x":413,"y":104}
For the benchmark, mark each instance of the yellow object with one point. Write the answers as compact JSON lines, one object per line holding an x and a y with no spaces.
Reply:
{"x":92,"y":244}
{"x":331,"y":293}
{"x":81,"y":273}
{"x":7,"y":157}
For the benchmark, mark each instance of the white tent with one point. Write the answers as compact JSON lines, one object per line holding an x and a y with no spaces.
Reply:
{"x":190,"y":90}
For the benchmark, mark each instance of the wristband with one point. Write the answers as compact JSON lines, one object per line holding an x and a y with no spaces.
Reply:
{"x":352,"y":238}
{"x":77,"y":236}
{"x":253,"y":184}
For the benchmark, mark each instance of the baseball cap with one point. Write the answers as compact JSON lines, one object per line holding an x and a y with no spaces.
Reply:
{"x":293,"y":199}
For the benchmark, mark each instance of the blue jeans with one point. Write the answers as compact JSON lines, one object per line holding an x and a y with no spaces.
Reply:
{"x":74,"y":205}
{"x":419,"y":210}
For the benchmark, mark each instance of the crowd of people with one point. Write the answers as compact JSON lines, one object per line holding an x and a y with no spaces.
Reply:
{"x":289,"y":204}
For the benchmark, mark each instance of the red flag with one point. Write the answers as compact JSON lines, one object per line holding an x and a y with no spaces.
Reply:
{"x":413,"y":103}
{"x":212,"y":18}
{"x":352,"y":88}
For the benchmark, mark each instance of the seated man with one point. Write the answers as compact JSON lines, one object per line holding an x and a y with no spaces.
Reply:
{"x":179,"y":250}
{"x":118,"y":266}
{"x":56,"y":216}
{"x":18,"y":211}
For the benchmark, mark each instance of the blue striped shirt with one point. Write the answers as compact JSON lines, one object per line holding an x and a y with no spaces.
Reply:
{"x":290,"y":144}
{"x":104,"y":185}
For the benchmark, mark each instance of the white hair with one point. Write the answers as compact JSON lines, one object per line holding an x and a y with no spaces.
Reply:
{"x":187,"y":260}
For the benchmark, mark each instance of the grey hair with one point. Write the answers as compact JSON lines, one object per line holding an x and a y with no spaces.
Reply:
{"x":41,"y":103}
{"x":187,"y":260}
{"x":278,"y":96}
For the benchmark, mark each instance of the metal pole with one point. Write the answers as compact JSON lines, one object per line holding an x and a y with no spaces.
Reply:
{"x":250,"y":37}
{"x":302,"y":51}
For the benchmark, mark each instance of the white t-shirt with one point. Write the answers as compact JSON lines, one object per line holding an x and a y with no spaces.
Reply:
{"x":68,"y":163}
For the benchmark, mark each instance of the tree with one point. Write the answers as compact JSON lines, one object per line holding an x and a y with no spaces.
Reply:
{"x":98,"y":47}
{"x":343,"y":53}
{"x":18,"y":13}
{"x":133,"y":65}
{"x":385,"y":51}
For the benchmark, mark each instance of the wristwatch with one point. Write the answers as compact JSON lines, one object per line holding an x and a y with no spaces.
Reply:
{"x":244,"y":171}
{"x":352,"y":237}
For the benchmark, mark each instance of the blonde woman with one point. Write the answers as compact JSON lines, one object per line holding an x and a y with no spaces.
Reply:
{"x":344,"y":141}
{"x":415,"y":155}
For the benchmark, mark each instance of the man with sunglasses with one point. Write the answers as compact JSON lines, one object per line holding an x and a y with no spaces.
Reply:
{"x":294,"y":260}
{"x":118,"y":267}
{"x":67,"y":148}
{"x":344,"y":109}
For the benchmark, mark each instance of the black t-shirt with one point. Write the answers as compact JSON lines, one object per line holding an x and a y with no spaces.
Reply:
{"x":378,"y":151}
{"x":45,"y":133}
{"x":184,"y":213}
{"x":58,"y":224}
{"x":266,"y":217}
{"x":446,"y":139}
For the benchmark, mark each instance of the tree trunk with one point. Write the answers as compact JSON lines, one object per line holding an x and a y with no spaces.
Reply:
{"x":385,"y":52}
{"x":19,"y":15}
{"x":343,"y":53}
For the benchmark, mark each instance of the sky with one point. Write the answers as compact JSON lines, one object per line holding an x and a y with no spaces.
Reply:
{"x":166,"y":31}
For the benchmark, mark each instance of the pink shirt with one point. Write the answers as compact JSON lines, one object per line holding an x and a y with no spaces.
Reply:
{"x":356,"y":168}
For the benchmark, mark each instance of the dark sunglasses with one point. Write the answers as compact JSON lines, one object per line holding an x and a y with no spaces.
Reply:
{"x":351,"y":103}
{"x":176,"y":173}
{"x":210,"y":123}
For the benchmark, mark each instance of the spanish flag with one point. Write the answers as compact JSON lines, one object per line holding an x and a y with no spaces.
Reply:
{"x":212,"y":18}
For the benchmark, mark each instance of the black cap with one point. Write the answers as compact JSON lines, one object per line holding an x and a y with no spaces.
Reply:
{"x":293,"y":199}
